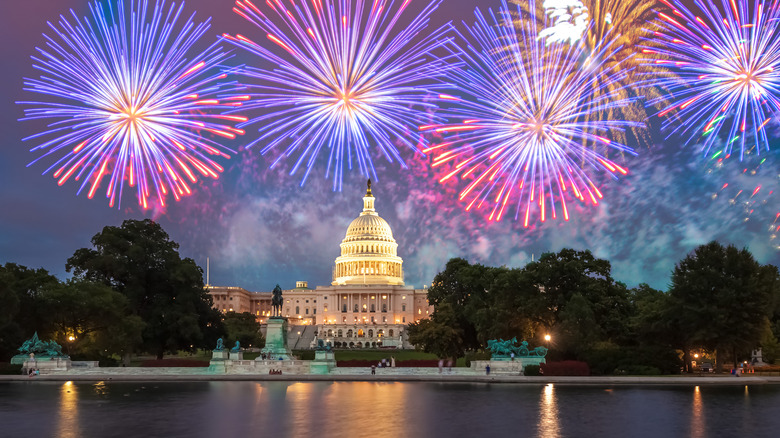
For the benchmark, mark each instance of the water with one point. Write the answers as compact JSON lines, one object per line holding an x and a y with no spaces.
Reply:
{"x":377,"y":410}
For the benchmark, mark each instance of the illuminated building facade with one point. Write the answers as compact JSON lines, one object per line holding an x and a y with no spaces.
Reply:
{"x":367,"y":303}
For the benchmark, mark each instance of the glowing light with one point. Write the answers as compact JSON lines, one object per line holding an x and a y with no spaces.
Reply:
{"x":120,"y":92}
{"x":350,"y":82}
{"x":727,"y":81}
{"x":533,"y":141}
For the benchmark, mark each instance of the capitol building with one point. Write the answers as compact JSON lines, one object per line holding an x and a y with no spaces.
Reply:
{"x":366,"y":305}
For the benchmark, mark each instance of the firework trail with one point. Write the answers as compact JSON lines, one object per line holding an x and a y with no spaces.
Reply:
{"x":348,"y":76}
{"x":523,"y":133}
{"x":727,"y":72}
{"x":129,"y":99}
{"x":627,"y":24}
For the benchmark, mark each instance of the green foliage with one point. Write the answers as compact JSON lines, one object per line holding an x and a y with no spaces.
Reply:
{"x":609,"y":359}
{"x":531,"y":370}
{"x":476,"y":355}
{"x":441,"y":335}
{"x":722,"y":298}
{"x":243,"y":327}
{"x":21,"y":310}
{"x":139,"y":261}
{"x":90,"y":318}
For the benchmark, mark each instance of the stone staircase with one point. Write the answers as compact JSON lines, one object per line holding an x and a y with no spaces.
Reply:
{"x":302,"y":341}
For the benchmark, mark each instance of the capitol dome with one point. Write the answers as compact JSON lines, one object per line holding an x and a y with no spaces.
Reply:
{"x":368,"y":251}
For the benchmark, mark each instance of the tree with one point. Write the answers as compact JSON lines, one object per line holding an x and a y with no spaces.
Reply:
{"x":463,"y":287}
{"x":90,"y":318}
{"x":140,"y":261}
{"x":722,"y":298}
{"x":21,"y":311}
{"x":243,"y":327}
{"x":440,"y":335}
{"x":558,"y":277}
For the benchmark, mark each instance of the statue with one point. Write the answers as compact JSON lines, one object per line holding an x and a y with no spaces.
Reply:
{"x":34,"y":346}
{"x":220,"y":345}
{"x":276,"y":301}
{"x":322,"y":346}
{"x":368,"y":192}
{"x":237,"y":348}
{"x":502,"y":349}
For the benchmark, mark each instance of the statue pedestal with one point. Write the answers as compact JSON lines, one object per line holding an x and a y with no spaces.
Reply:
{"x":236,"y":355}
{"x":323,"y":362}
{"x":219,"y":355}
{"x":276,"y":340}
{"x":46,"y":365}
{"x":506,"y":367}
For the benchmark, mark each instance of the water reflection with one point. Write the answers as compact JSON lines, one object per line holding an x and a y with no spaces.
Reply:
{"x":548,"y":414}
{"x":68,"y":421}
{"x":698,"y":428}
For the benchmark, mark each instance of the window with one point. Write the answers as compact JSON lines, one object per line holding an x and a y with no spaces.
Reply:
{"x":343,"y":308}
{"x":360,"y":333}
{"x":384,"y":319}
{"x":315,"y":310}
{"x":372,"y":319}
{"x":403,"y":307}
{"x":307,"y":310}
{"x":340,"y":333}
{"x":403,"y":319}
{"x":356,"y":308}
{"x":231,"y":298}
{"x":297,"y":310}
{"x":349,"y":333}
{"x":391,"y":333}
{"x":384,"y":307}
{"x":419,"y":311}
{"x":343,"y":320}
{"x":370,"y":333}
{"x":330,"y":333}
{"x":373,"y":307}
{"x":307,"y":301}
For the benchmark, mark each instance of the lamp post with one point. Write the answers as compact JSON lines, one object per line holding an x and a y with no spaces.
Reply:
{"x":547,"y":341}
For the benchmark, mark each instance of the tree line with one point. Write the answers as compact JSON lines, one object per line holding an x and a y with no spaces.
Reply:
{"x":721,"y":303}
{"x":130,"y":293}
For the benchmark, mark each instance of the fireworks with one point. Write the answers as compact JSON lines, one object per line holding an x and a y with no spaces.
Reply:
{"x":727,"y":66}
{"x":132,"y":101}
{"x":523,"y":134}
{"x":348,"y":76}
{"x":626,"y":24}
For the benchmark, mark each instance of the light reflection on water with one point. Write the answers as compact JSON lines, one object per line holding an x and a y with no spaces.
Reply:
{"x":548,"y":414}
{"x":382,"y":409}
{"x":68,"y":419}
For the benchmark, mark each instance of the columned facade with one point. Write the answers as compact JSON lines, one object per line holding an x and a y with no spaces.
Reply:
{"x":366,"y":305}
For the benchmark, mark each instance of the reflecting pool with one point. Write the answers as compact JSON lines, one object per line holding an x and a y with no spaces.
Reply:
{"x":381,"y":409}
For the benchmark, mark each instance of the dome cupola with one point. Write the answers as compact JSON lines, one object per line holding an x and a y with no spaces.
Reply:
{"x":368,"y":251}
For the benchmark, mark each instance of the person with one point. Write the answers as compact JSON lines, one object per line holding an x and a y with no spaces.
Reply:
{"x":512,"y":356}
{"x":487,"y":369}
{"x":449,"y":365}
{"x":392,"y":361}
{"x":441,"y":365}
{"x":373,"y":369}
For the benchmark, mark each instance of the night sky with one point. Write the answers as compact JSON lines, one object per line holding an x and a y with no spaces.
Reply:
{"x":260,"y":228}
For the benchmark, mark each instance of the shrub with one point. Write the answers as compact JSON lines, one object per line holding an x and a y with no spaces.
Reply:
{"x":565,"y":368}
{"x":7,"y":368}
{"x":531,"y":370}
{"x":476,"y":355}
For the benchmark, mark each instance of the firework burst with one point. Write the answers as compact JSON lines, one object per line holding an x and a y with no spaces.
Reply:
{"x":523,"y":134}
{"x":348,"y":77}
{"x":131,"y":102}
{"x":727,"y":72}
{"x":627,"y":24}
